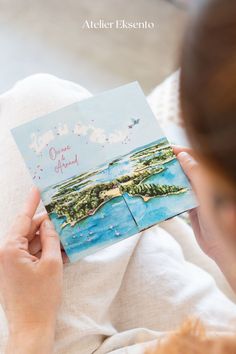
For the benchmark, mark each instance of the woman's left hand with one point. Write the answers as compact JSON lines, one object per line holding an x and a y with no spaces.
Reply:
{"x":31,"y":285}
{"x":209,"y":235}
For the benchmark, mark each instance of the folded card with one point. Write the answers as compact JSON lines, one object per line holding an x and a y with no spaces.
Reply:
{"x":104,"y":168}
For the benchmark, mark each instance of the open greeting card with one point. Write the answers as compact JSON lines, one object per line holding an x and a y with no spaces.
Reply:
{"x":104,"y":168}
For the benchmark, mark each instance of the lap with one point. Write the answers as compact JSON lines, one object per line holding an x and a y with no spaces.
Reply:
{"x":146,"y":282}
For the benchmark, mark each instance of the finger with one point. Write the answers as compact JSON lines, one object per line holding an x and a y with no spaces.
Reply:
{"x":178,"y":148}
{"x":26,"y":257}
{"x":65,"y":258}
{"x":36,"y":222}
{"x":193,"y":216}
{"x":32,"y":202}
{"x":35,"y":245}
{"x":51,"y":249}
{"x":22,"y":224}
{"x":190,"y":167}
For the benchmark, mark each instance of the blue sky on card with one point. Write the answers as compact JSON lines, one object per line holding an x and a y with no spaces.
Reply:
{"x":86,"y":134}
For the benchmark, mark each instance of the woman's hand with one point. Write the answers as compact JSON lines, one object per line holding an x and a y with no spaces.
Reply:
{"x":200,"y":219}
{"x":212,"y":240}
{"x":31,"y":285}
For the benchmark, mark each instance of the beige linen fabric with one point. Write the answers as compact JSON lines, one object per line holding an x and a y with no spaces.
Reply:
{"x":127,"y":295}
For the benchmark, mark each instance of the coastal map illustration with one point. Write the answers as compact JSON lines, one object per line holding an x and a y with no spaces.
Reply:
{"x":105,"y":170}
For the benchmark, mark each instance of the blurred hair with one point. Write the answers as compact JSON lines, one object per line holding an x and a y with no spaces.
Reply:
{"x":191,"y":338}
{"x":208,"y":84}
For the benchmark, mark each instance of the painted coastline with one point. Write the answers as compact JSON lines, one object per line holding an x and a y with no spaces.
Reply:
{"x":82,"y":196}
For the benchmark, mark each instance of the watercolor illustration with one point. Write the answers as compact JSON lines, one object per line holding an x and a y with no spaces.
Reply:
{"x":105,"y":170}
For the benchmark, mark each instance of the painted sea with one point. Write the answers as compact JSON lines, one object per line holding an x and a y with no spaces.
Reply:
{"x":118,"y":199}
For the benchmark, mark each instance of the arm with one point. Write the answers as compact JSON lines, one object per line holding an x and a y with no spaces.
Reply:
{"x":31,"y":285}
{"x":31,"y":340}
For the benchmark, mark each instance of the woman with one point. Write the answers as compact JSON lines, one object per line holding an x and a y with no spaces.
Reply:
{"x":208,"y":97}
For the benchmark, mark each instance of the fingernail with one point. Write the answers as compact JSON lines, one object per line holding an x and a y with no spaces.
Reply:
{"x":48,"y":224}
{"x":34,"y":190}
{"x":183,"y":155}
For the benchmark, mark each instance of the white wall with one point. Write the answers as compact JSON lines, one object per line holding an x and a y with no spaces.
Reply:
{"x":47,"y":36}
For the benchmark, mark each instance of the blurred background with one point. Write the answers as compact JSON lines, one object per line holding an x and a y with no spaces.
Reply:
{"x":47,"y":36}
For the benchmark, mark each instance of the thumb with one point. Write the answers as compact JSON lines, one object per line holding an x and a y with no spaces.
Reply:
{"x":190,"y":167}
{"x":50,"y":242}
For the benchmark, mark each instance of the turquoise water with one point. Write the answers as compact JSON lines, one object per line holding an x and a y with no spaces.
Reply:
{"x":113,"y":221}
{"x":161,"y":208}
